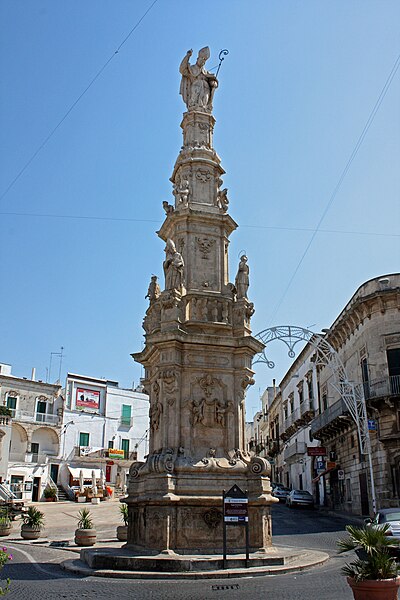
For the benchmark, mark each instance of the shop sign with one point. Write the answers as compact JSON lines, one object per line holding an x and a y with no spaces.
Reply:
{"x":114,"y":453}
{"x":316,"y":451}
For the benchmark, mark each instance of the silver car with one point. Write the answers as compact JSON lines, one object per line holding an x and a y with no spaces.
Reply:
{"x":390,"y":516}
{"x":300,"y":498}
{"x":281,"y":493}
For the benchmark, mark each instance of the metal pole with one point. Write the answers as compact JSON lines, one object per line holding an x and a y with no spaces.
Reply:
{"x":224,"y":531}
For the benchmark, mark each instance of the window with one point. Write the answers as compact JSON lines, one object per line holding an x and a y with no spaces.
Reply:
{"x":35,"y":452}
{"x":41,"y":407}
{"x":285,"y":410}
{"x":291,"y":399}
{"x":126,"y":415}
{"x":393,"y":359}
{"x":125,"y":447}
{"x":84,"y":439}
{"x":310,"y":388}
{"x":301,"y":394}
{"x":11,"y":402}
{"x":324,"y":399}
{"x":111,"y":444}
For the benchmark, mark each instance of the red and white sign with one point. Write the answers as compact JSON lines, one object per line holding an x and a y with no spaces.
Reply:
{"x":87,"y":399}
{"x":316,"y":451}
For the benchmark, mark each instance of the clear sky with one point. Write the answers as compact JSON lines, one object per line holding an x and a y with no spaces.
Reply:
{"x":295,"y":93}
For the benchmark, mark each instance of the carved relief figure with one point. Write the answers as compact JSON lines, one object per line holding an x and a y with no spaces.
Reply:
{"x":198,"y":411}
{"x":222,"y":199}
{"x":155,"y":415}
{"x":242,"y":278}
{"x":181,"y":191}
{"x":198,"y":85}
{"x":173,"y":267}
{"x":154,"y":290}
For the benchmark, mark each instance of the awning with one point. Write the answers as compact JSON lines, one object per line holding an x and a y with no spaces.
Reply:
{"x":324,"y":473}
{"x":87,"y":473}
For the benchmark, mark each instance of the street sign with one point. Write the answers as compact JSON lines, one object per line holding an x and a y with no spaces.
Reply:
{"x":331,"y":465}
{"x":321,"y":465}
{"x":236,"y":512}
{"x":316,"y":451}
{"x":340,"y":474}
{"x":371,"y":424}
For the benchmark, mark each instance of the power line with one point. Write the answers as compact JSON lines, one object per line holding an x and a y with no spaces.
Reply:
{"x":341,"y":178}
{"x":133,"y":220}
{"x":61,"y":121}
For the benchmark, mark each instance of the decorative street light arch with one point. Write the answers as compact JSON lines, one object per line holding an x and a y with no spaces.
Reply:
{"x":325,"y":355}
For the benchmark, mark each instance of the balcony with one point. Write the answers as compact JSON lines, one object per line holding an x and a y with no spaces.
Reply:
{"x":378,"y":388}
{"x":332,"y":421}
{"x":29,"y":457}
{"x":89,"y":454}
{"x":298,"y":448}
{"x":43,"y":418}
{"x":126,"y":422}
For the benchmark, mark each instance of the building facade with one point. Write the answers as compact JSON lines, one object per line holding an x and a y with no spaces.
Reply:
{"x":30,"y":442}
{"x":312,"y":440}
{"x":105,"y":427}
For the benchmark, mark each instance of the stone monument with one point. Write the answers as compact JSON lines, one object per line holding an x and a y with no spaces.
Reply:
{"x":197,"y":360}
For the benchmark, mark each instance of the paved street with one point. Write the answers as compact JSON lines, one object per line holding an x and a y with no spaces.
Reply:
{"x":35,"y":573}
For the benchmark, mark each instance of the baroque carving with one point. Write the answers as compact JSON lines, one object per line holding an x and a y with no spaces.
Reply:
{"x":173,"y":267}
{"x":205,"y":245}
{"x":169,"y":209}
{"x":198,"y":85}
{"x":242,"y":278}
{"x":181,"y":191}
{"x":212,"y":518}
{"x":203,"y":175}
{"x":154,"y":289}
{"x":222,"y":199}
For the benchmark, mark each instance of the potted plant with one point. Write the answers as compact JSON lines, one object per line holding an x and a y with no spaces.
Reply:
{"x":33,"y":522}
{"x":5,"y":523}
{"x":50,"y":494}
{"x":85,"y":534}
{"x":122,"y":530}
{"x":374,"y":574}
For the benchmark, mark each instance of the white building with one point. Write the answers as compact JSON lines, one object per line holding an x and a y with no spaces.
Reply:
{"x":105,"y":427}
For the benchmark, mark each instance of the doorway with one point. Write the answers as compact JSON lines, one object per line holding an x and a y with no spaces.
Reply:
{"x":35,"y":489}
{"x":54,"y":472}
{"x":364,"y":494}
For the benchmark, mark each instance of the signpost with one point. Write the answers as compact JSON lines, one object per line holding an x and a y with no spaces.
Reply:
{"x":235,"y":510}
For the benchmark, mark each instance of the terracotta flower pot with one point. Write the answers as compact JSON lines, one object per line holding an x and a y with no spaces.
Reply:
{"x":5,"y":530}
{"x":30,"y":533}
{"x":122,"y":533}
{"x":85,"y":537}
{"x":371,"y":589}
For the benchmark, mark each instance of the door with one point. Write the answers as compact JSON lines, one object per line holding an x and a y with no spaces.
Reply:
{"x":16,"y":485}
{"x":35,"y":452}
{"x":364,"y":494}
{"x":108,"y":473}
{"x":54,"y":473}
{"x":36,"y":489}
{"x":393,"y":358}
{"x":125,"y":448}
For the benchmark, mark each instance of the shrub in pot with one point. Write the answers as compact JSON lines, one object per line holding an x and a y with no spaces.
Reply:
{"x":374,"y":574}
{"x":5,"y":523}
{"x":33,"y":522}
{"x":85,"y":534}
{"x":122,"y":530}
{"x":50,"y":494}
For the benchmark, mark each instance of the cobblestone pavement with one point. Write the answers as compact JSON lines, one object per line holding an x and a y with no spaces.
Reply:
{"x":35,"y":573}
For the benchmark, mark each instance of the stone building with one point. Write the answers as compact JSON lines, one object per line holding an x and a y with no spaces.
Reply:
{"x":33,"y":452}
{"x":366,"y":335}
{"x":366,"y":338}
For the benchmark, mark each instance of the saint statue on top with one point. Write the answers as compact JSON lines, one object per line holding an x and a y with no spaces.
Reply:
{"x":198,"y":85}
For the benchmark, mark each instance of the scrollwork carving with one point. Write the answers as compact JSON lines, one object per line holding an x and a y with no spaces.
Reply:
{"x":205,"y":245}
{"x":212,"y":518}
{"x":203,"y":175}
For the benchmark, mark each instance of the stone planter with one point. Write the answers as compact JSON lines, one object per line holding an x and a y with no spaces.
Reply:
{"x":371,"y":589}
{"x":81,"y":498}
{"x":85,"y":537}
{"x":30,"y":533}
{"x":5,"y":530}
{"x":122,"y":533}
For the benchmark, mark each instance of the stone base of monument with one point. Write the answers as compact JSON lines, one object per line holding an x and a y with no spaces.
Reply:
{"x":121,"y":563}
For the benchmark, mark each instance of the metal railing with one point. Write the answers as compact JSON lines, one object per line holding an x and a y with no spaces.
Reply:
{"x":385,"y":386}
{"x":126,"y":422}
{"x":46,"y":418}
{"x":332,"y":412}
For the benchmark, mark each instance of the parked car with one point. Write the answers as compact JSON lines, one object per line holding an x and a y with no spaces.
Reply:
{"x":281,"y":493}
{"x":390,"y":516}
{"x":300,"y":498}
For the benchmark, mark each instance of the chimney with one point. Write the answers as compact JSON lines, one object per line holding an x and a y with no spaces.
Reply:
{"x":33,"y":374}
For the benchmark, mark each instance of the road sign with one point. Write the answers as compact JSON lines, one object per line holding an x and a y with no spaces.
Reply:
{"x":340,"y":474}
{"x":321,"y":465}
{"x":371,"y":424}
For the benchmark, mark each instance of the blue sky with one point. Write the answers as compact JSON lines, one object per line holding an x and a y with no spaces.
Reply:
{"x":295,"y":93}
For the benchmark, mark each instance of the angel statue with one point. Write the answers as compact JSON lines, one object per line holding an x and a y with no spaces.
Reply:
{"x":197,"y":85}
